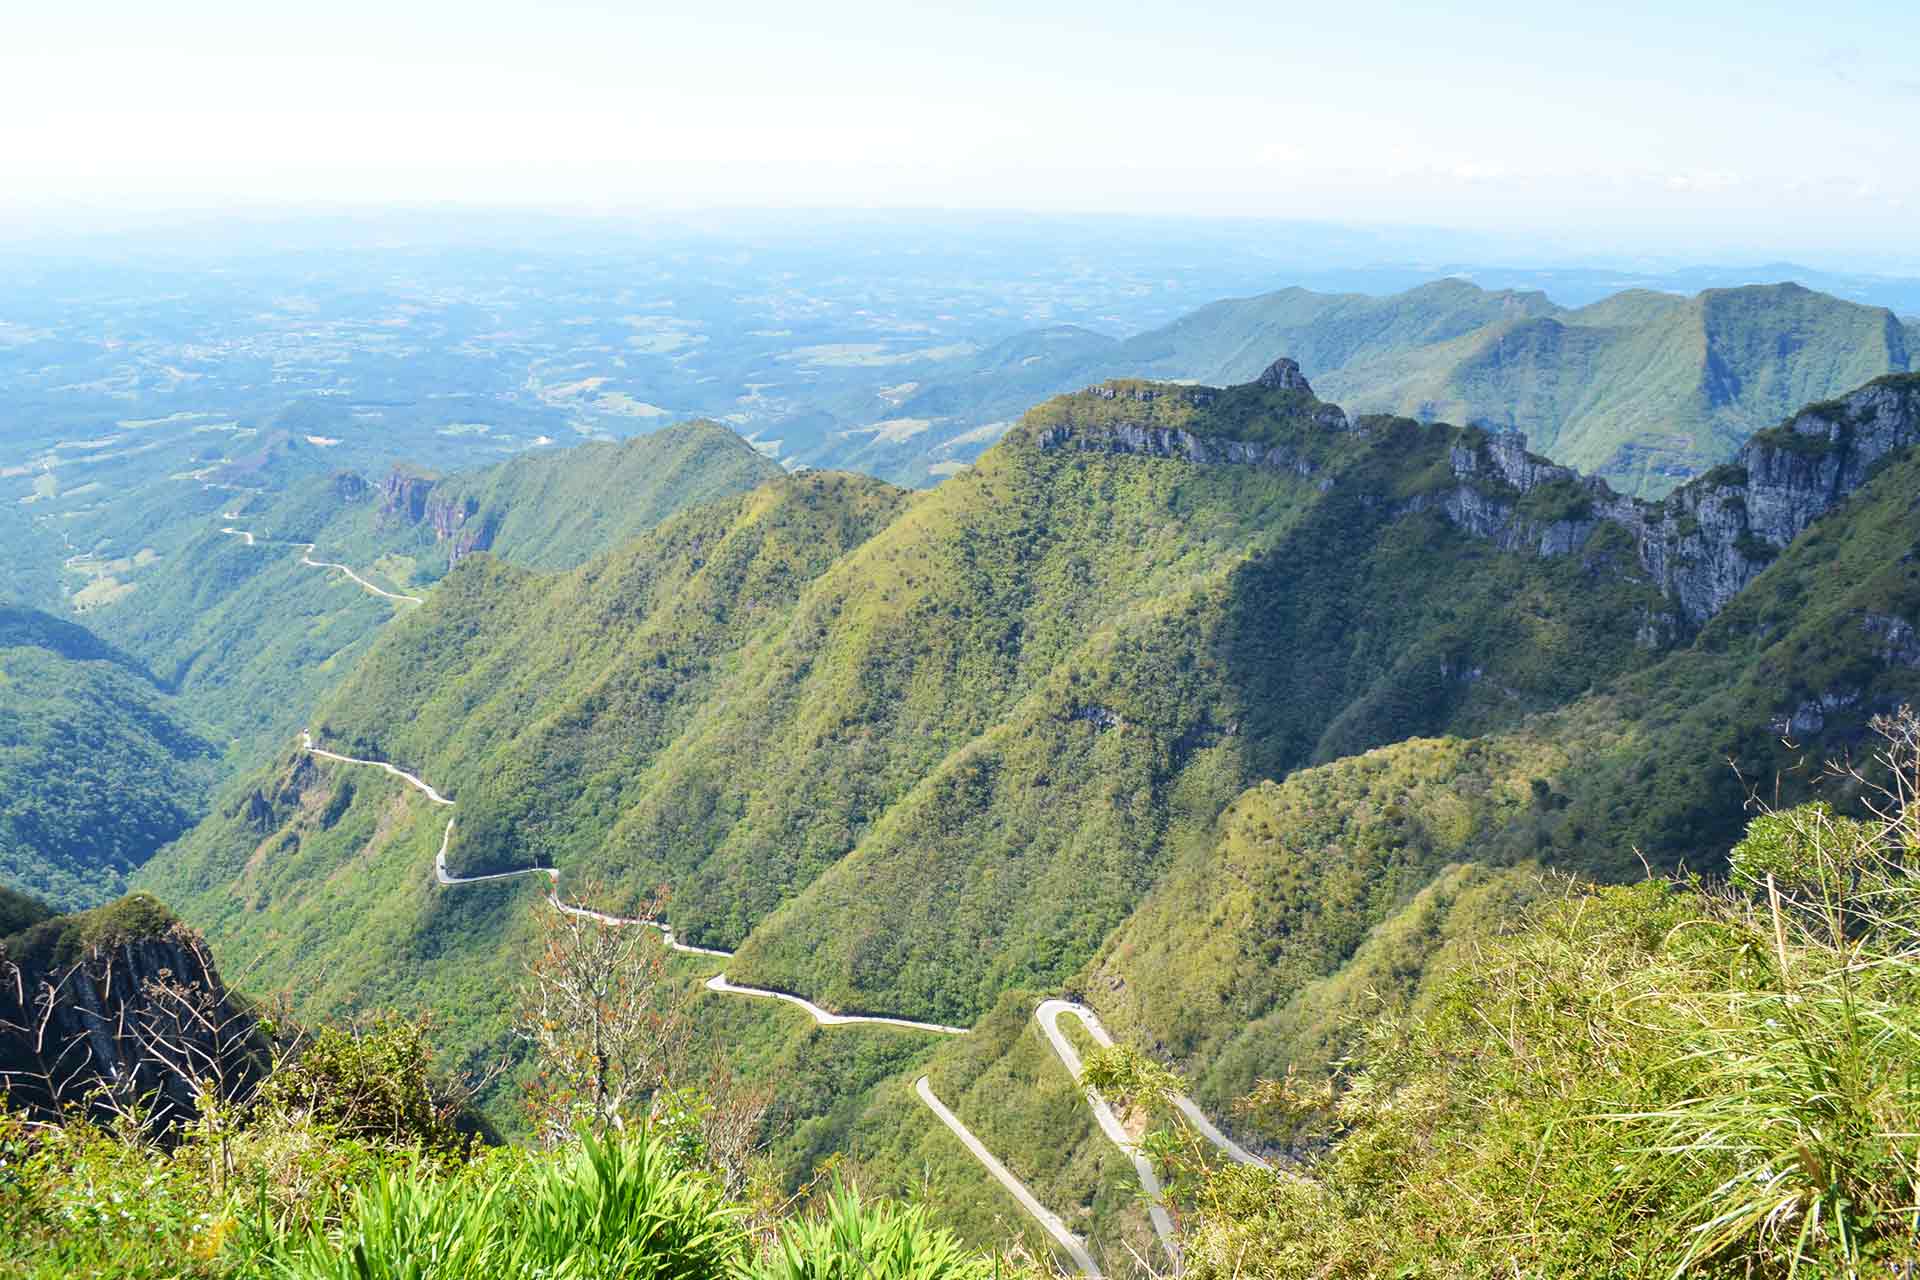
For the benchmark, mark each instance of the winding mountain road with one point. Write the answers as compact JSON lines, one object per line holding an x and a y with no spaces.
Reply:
{"x":1048,"y":1015}
{"x":718,"y":982}
{"x":306,"y":557}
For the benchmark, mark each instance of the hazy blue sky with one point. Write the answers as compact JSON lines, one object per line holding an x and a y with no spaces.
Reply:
{"x":1780,"y":127}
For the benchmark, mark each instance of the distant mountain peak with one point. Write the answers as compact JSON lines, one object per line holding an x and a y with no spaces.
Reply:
{"x":1284,"y":375}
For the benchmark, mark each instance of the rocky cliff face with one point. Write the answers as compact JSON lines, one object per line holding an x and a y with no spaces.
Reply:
{"x":1712,"y":537}
{"x":1187,"y":446}
{"x":455,"y":519}
{"x":1702,"y":545}
{"x":457,"y":523}
{"x":404,"y":497}
{"x":116,"y":1007}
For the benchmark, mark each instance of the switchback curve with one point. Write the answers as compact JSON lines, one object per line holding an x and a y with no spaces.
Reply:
{"x":1047,"y":1014}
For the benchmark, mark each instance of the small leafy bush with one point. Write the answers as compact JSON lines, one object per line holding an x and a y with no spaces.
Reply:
{"x":376,"y":1082}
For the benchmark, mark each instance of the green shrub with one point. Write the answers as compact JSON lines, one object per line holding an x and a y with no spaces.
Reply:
{"x":613,"y":1209}
{"x":1660,"y":1079}
{"x":405,"y":1226}
{"x":624,"y":1207}
{"x":872,"y":1240}
{"x":375,"y":1082}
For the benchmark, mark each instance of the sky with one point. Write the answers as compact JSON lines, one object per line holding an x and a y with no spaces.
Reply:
{"x":1754,"y":127}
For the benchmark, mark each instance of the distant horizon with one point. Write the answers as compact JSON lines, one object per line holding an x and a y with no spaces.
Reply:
{"x":1439,"y":248}
{"x":1717,"y":127}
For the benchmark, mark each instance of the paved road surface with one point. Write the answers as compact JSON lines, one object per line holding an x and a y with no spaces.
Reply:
{"x":306,"y":558}
{"x":1046,"y":1217}
{"x":1048,"y":1014}
{"x":718,"y":982}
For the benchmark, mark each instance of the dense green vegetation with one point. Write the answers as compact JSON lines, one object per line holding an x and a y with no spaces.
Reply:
{"x":98,"y":768}
{"x":926,"y":751}
{"x":251,"y":638}
{"x":343,"y":1165}
{"x":247,"y":635}
{"x":42,"y":940}
{"x":18,"y":910}
{"x":30,"y":555}
{"x":1642,"y":388}
{"x":1237,"y":753}
{"x":1657,"y":1080}
{"x":554,"y":509}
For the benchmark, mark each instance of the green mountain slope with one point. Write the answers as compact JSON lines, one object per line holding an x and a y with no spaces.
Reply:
{"x":552,"y":509}
{"x":251,"y":636}
{"x":934,"y":755}
{"x":1644,"y":389}
{"x":1360,"y":887}
{"x":30,"y":555}
{"x":97,"y":767}
{"x":929,"y":755}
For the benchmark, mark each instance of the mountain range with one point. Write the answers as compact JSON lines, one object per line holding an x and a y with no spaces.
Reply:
{"x":1226,"y":710}
{"x":1642,"y":388}
{"x":1218,"y":706}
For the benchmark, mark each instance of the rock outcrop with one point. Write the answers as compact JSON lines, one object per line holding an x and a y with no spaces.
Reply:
{"x":1283,"y":375}
{"x":1709,"y":538}
{"x":404,"y":498}
{"x":120,"y":1009}
{"x":1188,"y":446}
{"x":456,"y":520}
{"x":1702,"y":545}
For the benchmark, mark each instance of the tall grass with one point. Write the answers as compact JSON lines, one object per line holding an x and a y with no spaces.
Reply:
{"x":604,"y":1209}
{"x":1658,"y":1080}
{"x":618,"y":1208}
{"x":627,"y":1209}
{"x":1805,"y":1067}
{"x":853,"y":1240}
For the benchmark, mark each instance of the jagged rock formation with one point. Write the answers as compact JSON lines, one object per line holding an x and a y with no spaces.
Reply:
{"x":119,"y":1009}
{"x":454,"y":523}
{"x":1283,"y":375}
{"x":412,"y":499}
{"x":1711,"y":537}
{"x":404,"y":497}
{"x":1701,"y":545}
{"x":1176,"y":442}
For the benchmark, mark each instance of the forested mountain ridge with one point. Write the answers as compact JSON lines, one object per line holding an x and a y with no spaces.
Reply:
{"x":1328,"y":904}
{"x":250,"y":636}
{"x":98,"y":766}
{"x":1218,"y":706}
{"x":1643,"y":389}
{"x":832,"y":716}
{"x":555,"y":508}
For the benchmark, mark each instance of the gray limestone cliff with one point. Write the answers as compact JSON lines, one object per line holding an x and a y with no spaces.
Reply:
{"x":459,"y":523}
{"x":1701,"y":546}
{"x":1708,"y":539}
{"x":1173,"y":442}
{"x":404,"y":497}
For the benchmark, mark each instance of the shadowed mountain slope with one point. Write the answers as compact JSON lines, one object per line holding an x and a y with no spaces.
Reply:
{"x":98,"y":767}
